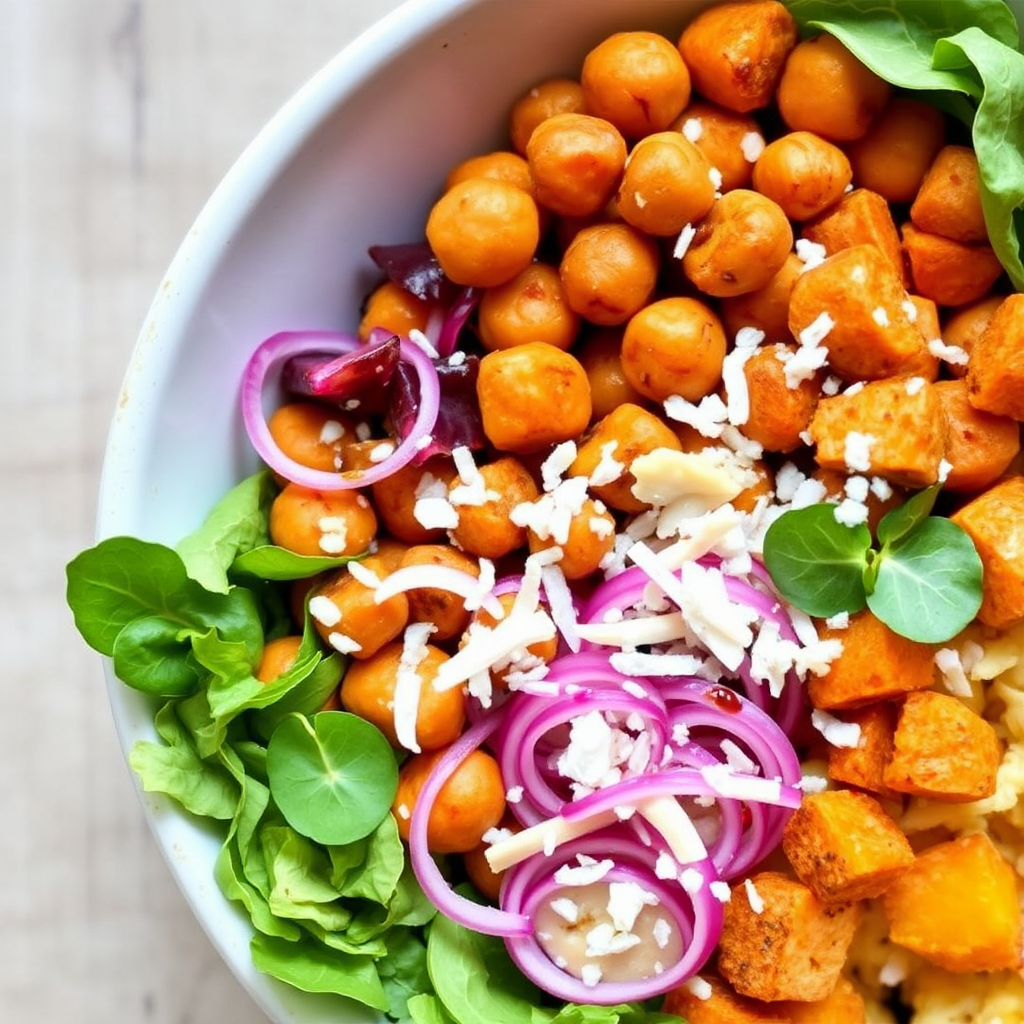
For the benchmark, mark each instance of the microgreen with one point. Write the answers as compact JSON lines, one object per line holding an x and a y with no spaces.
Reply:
{"x":333,"y":776}
{"x":923,"y":579}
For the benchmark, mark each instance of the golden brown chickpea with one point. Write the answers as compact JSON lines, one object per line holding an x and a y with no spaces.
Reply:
{"x":666,"y":185}
{"x":779,"y":414}
{"x":949,"y":200}
{"x":368,"y":690}
{"x":554,"y":96}
{"x":765,"y":309}
{"x":674,"y":346}
{"x":478,"y":870}
{"x":636,"y":80}
{"x":394,"y":498}
{"x":964,"y":326}
{"x":347,"y":615}
{"x":278,"y":656}
{"x":600,"y":354}
{"x":394,"y":309}
{"x":747,"y":499}
{"x":893,"y":157}
{"x":740,"y":246}
{"x":803,"y":173}
{"x":335,"y":523}
{"x":736,"y":51}
{"x":530,"y":307}
{"x":576,"y":161}
{"x":312,"y":435}
{"x":471,"y":801}
{"x":501,"y":165}
{"x":483,"y":232}
{"x":447,"y":611}
{"x":609,"y":272}
{"x":626,"y":432}
{"x":826,"y":90}
{"x":590,"y":539}
{"x":731,"y":142}
{"x":486,"y":530}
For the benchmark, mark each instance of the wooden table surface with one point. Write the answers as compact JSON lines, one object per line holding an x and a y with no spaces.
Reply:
{"x":117,"y":119}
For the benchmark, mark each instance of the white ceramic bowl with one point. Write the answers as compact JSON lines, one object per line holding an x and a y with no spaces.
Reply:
{"x":353,"y":159}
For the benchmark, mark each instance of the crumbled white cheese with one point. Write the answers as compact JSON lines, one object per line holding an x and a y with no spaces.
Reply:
{"x":734,"y":377}
{"x":910,"y":308}
{"x":418,"y":338}
{"x":625,"y":901}
{"x":333,"y":534}
{"x":692,"y":128}
{"x":836,"y":732}
{"x":851,"y":512}
{"x":361,"y":574}
{"x":708,"y":417}
{"x":408,"y":683}
{"x":754,"y":898}
{"x":324,"y":610}
{"x":811,"y":254}
{"x":721,"y":891}
{"x":608,"y":468}
{"x":590,"y":975}
{"x":945,"y":468}
{"x":382,"y":451}
{"x":661,"y":932}
{"x":343,"y":644}
{"x":566,"y":909}
{"x":691,"y":880}
{"x":913,"y":385}
{"x":686,"y":236}
{"x":331,"y":431}
{"x":699,"y":988}
{"x":752,"y":146}
{"x":951,"y":669}
{"x":838,"y":621}
{"x":881,"y":488}
{"x":586,"y":872}
{"x":880,"y":316}
{"x":952,"y":354}
{"x":857,"y":451}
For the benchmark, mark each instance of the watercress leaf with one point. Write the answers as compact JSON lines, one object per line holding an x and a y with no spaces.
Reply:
{"x":474,"y":977}
{"x":270,"y":562}
{"x":929,"y":584}
{"x":333,"y":777}
{"x":895,"y":525}
{"x":403,"y":971}
{"x":151,"y":654}
{"x":236,"y":523}
{"x":310,"y":966}
{"x":817,"y":563}
{"x":426,"y":1008}
{"x":998,"y":135}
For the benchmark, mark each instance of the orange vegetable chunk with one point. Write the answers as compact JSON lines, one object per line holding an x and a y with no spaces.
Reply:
{"x":864,"y":765}
{"x":995,"y":370}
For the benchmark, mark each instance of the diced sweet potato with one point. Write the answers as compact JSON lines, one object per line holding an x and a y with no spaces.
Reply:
{"x":876,"y":664}
{"x":942,"y":750}
{"x":899,"y":431}
{"x":843,"y":846}
{"x":723,"y":1006}
{"x":947,"y":272}
{"x":995,"y":522}
{"x":926,"y":319}
{"x":870,"y":335}
{"x":979,"y":445}
{"x":843,"y":1006}
{"x":767,"y":308}
{"x":778,"y":413}
{"x":861,"y":217}
{"x":793,"y":949}
{"x":995,"y":370}
{"x":957,"y":906}
{"x":948,"y":202}
{"x":965,"y":325}
{"x":864,"y":765}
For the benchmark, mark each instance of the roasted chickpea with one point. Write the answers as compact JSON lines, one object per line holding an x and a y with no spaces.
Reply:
{"x":731,"y":142}
{"x":394,"y":309}
{"x":471,"y":801}
{"x":500,"y":165}
{"x":530,"y":307}
{"x":765,"y":309}
{"x":626,"y":432}
{"x":948,"y":202}
{"x":395,"y":496}
{"x":779,"y":414}
{"x":964,"y":326}
{"x":487,"y":530}
{"x":576,"y":161}
{"x":278,"y":656}
{"x":590,"y":539}
{"x":736,"y":52}
{"x":825,"y":89}
{"x":541,"y":651}
{"x":554,"y":96}
{"x":674,"y":346}
{"x":312,"y":522}
{"x":803,"y":173}
{"x":368,"y":690}
{"x":447,"y":611}
{"x":897,"y":151}
{"x":764,"y":488}
{"x":312,"y":435}
{"x":600,"y":354}
{"x":348,"y":616}
{"x":478,"y":870}
{"x":636,"y":80}
{"x":483,"y":232}
{"x":666,"y":185}
{"x":740,"y":246}
{"x":609,"y":272}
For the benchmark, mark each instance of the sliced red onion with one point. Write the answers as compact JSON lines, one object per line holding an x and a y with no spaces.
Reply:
{"x":456,"y":318}
{"x":273,"y":353}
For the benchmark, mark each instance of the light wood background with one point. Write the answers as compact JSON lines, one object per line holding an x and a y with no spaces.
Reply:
{"x":117,"y":119}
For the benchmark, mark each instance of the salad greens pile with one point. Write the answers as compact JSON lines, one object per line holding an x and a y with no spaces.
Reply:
{"x":332,"y":899}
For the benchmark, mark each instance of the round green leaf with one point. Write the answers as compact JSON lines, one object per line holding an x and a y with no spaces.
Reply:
{"x":929,"y":584}
{"x":816,"y":562}
{"x":895,"y":525}
{"x":333,"y":777}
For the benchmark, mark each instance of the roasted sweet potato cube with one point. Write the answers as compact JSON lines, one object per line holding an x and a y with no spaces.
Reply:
{"x":947,"y":272}
{"x":794,"y":948}
{"x":995,"y":370}
{"x":870,"y":334}
{"x":995,"y":522}
{"x":891,"y":428}
{"x":957,"y":906}
{"x":843,"y":1006}
{"x":876,"y":664}
{"x":722,"y":1006}
{"x":843,"y":846}
{"x":864,"y":765}
{"x":942,"y":750}
{"x":779,"y":414}
{"x":948,"y":202}
{"x":861,"y":217}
